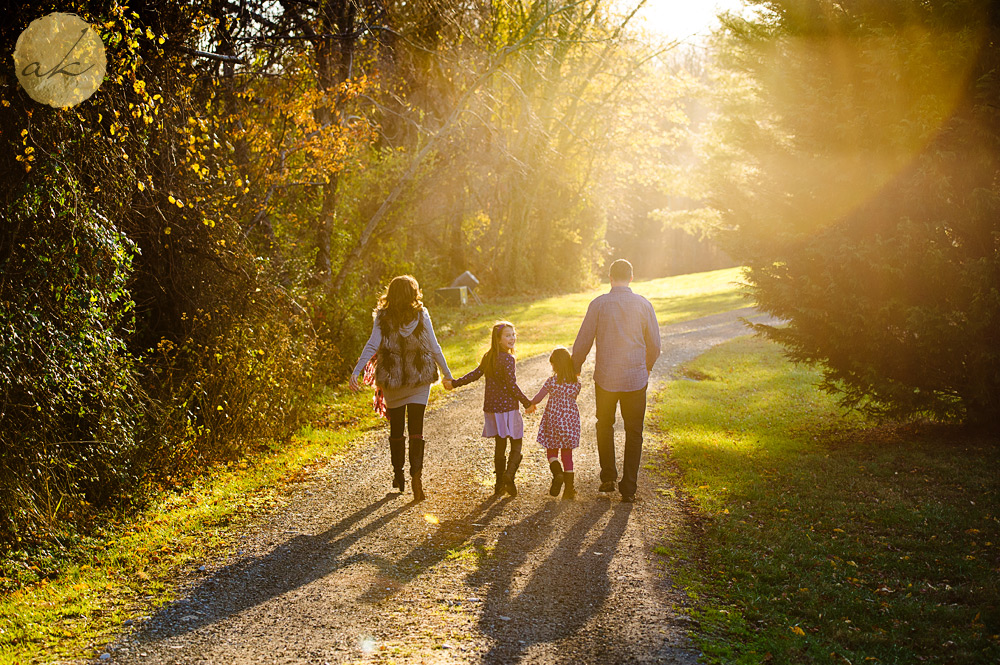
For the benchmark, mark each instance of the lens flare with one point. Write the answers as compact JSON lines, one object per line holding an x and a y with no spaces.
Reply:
{"x":367,"y":644}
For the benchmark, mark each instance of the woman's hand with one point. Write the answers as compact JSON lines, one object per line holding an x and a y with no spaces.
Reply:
{"x":531,"y":409}
{"x":447,"y":384}
{"x":354,"y":385}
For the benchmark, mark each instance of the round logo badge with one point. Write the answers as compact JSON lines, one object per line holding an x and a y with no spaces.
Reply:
{"x":59,"y":60}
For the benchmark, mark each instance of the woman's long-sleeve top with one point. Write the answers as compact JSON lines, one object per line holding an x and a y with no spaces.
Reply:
{"x":502,"y":392}
{"x":400,"y":396}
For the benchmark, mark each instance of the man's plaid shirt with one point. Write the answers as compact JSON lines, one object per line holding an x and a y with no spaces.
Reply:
{"x":628,"y":340}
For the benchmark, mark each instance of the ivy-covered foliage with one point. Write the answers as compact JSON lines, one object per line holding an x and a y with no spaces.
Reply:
{"x":69,"y":419}
{"x":860,"y":183}
{"x":145,"y":334}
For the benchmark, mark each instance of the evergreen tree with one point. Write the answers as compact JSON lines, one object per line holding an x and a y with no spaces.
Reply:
{"x":857,"y":178}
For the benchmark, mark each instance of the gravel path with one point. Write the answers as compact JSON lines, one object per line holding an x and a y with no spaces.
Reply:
{"x":349,"y":571}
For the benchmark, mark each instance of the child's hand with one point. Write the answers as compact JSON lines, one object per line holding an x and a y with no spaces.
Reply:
{"x":447,"y":384}
{"x":531,"y":409}
{"x":353,"y":385}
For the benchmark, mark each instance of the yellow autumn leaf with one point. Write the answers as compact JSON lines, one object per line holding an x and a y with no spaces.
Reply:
{"x":798,"y":631}
{"x":142,"y":187}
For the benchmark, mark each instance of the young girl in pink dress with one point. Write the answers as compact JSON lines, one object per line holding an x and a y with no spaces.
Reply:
{"x":559,"y":430}
{"x":501,"y":407}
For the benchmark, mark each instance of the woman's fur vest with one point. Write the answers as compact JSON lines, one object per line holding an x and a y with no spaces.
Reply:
{"x":404,"y":361}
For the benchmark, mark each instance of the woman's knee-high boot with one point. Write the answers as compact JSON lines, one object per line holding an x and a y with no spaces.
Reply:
{"x":417,"y":467}
{"x":397,"y":454}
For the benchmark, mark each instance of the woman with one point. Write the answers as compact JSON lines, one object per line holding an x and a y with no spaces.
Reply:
{"x":406,"y":364}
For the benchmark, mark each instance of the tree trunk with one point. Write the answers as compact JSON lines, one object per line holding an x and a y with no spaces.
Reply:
{"x":335,"y":43}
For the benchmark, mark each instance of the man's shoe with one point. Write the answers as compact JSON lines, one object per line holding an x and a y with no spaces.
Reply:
{"x":607,"y":486}
{"x":628,"y":498}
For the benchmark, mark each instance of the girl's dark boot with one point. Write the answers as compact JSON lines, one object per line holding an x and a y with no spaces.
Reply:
{"x":397,"y":454}
{"x":499,"y":463}
{"x":500,"y":467}
{"x":557,"y":477}
{"x":568,"y":492}
{"x":512,"y":464}
{"x":416,"y":468}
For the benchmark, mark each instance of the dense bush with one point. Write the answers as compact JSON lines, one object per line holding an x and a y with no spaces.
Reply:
{"x":145,"y":333}
{"x":69,"y":417}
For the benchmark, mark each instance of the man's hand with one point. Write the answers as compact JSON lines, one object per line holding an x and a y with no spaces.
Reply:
{"x":354,"y":385}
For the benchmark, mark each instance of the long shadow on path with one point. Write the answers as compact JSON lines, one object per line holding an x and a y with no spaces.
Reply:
{"x":449,"y":535}
{"x":253,"y":581}
{"x":564,"y":591}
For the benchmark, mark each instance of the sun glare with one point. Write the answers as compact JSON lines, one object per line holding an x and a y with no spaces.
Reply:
{"x":683,"y":19}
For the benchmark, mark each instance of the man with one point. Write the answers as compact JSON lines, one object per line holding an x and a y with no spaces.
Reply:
{"x":628,"y":343}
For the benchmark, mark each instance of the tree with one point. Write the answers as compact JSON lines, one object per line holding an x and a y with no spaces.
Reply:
{"x":857,"y":178}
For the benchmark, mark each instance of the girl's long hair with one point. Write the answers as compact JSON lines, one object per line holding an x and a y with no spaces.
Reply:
{"x":562,"y":363}
{"x":401,"y":302}
{"x":489,"y":361}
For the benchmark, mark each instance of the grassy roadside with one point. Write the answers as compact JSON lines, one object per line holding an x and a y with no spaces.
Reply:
{"x":819,"y":538}
{"x":64,"y":602}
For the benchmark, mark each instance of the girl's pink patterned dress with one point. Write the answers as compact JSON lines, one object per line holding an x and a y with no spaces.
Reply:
{"x":560,"y":425}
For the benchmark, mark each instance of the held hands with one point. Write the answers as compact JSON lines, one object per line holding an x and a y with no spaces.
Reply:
{"x":531,"y":409}
{"x":447,"y":384}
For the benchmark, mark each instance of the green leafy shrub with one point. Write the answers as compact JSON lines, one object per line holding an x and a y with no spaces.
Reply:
{"x":68,"y":414}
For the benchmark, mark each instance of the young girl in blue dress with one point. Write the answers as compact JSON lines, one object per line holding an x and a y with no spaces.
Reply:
{"x":501,"y":408}
{"x":559,"y":430}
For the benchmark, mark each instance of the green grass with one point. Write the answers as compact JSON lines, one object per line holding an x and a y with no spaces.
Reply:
{"x":61,"y":602}
{"x":820,"y":538}
{"x":543,"y":324}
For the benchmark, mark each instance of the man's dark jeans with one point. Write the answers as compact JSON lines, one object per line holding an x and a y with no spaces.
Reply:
{"x":633,"y":407}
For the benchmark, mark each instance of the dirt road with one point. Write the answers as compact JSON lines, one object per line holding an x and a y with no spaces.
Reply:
{"x":350,"y":571}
